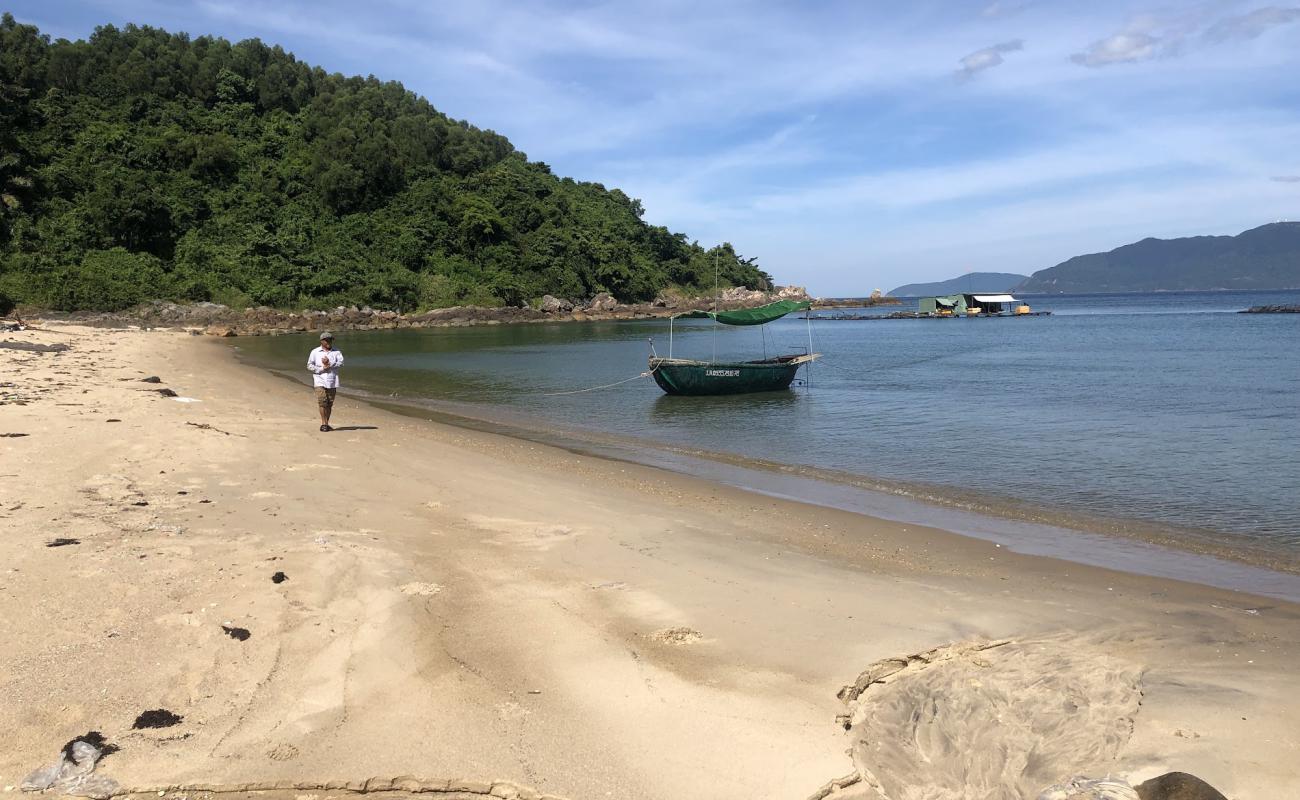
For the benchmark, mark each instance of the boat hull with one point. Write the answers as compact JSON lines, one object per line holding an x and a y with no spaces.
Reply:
{"x":686,"y":377}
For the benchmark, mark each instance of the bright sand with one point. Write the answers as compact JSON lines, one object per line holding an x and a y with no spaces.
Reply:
{"x":463,"y":605}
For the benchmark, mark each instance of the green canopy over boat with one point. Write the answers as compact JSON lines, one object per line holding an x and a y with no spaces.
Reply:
{"x":752,"y":316}
{"x":691,"y":377}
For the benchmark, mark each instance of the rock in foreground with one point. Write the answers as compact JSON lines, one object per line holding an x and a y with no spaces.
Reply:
{"x":1178,"y":786}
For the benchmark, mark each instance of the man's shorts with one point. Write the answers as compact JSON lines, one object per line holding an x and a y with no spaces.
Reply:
{"x":325,"y":397}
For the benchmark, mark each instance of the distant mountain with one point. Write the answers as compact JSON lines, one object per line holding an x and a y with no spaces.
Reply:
{"x":970,"y":282}
{"x":1267,"y":257}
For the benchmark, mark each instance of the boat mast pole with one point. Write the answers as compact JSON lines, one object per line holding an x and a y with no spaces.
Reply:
{"x":716,"y":254}
{"x":807,"y":316}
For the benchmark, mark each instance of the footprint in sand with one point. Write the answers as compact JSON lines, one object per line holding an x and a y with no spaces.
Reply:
{"x":526,"y":533}
{"x":282,"y":752}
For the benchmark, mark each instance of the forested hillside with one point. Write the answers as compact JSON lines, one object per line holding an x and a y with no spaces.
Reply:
{"x":1267,"y":257}
{"x":141,"y":164}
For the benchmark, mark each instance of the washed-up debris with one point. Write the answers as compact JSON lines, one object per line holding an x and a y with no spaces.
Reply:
{"x":140,"y":503}
{"x":163,"y":392}
{"x":112,"y":420}
{"x":62,"y":542}
{"x":73,"y":774}
{"x":13,"y":435}
{"x":238,"y":634}
{"x":151,"y":379}
{"x":206,"y":427}
{"x":1090,"y":789}
{"x":32,"y":347}
{"x":156,"y":718}
{"x":279,"y":577}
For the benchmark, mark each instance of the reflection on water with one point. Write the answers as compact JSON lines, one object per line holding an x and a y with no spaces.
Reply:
{"x":1129,"y":408}
{"x":676,"y":411}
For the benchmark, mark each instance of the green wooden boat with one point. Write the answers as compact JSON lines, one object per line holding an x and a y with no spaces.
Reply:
{"x":684,"y":376}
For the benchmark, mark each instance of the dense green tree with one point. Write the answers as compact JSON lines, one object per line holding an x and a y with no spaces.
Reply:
{"x":140,"y":164}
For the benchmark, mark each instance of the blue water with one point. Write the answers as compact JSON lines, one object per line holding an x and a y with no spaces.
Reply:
{"x":1167,"y":411}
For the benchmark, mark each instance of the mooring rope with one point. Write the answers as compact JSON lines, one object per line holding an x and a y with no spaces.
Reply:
{"x":645,"y":374}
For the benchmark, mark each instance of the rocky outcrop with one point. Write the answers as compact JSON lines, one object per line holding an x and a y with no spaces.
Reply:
{"x":602,"y":302}
{"x":552,"y":305}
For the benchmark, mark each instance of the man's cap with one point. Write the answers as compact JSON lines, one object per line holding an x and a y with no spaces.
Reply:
{"x":327,"y":335}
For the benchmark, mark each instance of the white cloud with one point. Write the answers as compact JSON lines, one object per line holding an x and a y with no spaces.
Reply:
{"x":1018,"y":212}
{"x":1165,"y":35}
{"x":987,"y":58}
{"x":1119,"y":49}
{"x":1250,"y":26}
{"x":1001,"y":8}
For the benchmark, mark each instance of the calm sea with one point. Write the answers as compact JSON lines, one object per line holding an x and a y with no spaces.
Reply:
{"x":1167,"y":416}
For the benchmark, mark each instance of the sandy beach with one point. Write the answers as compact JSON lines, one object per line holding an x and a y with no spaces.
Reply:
{"x":464,"y":615}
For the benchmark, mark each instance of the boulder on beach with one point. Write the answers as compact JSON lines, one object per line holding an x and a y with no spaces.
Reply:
{"x":1178,"y":786}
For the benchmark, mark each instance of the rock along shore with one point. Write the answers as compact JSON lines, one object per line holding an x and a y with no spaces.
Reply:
{"x":218,"y":320}
{"x":1271,"y":310}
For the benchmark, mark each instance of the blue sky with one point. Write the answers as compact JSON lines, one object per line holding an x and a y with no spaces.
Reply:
{"x":847,"y":145}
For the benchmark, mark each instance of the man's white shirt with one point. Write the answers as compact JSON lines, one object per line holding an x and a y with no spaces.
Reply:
{"x":324,"y":365}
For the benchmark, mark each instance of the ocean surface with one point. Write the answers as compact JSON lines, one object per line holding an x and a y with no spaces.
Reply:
{"x":1167,"y":417}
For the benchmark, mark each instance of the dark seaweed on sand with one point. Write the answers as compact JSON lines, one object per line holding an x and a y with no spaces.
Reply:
{"x":279,"y":577}
{"x":62,"y":543}
{"x":156,"y":718}
{"x":238,"y":634}
{"x":93,"y":738}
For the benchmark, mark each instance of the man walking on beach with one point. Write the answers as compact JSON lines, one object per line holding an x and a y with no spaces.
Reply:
{"x":324,"y":363}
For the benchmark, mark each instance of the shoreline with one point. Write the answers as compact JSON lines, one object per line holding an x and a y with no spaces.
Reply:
{"x":212,"y":319}
{"x":463,"y":604}
{"x":1127,"y":545}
